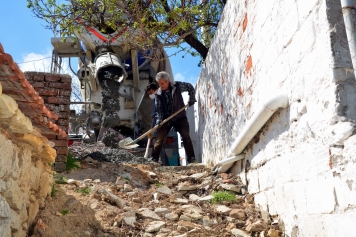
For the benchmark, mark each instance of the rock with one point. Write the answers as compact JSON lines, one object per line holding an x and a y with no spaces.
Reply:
{"x":188,"y":224}
{"x":72,"y":181}
{"x":240,"y":224}
{"x":224,"y":176}
{"x":164,"y":190}
{"x":137,"y":199}
{"x":90,"y":160}
{"x":59,"y":214}
{"x":266,"y":217}
{"x":182,"y":229}
{"x":165,"y":230}
{"x":156,"y":196}
{"x":199,"y":175}
{"x":150,"y":215}
{"x":129,"y":218}
{"x":127,"y":188}
{"x":256,"y":226}
{"x":172,"y":216}
{"x":183,"y":235}
{"x":238,"y":214}
{"x":230,"y":226}
{"x":239,"y":233}
{"x":178,"y":195}
{"x":147,"y":235}
{"x":195,"y":216}
{"x":193,"y":197}
{"x":154,"y":226}
{"x":120,"y":180}
{"x":185,"y":218}
{"x":185,"y":187}
{"x":130,"y":194}
{"x":231,"y":187}
{"x":206,"y":198}
{"x":180,"y":201}
{"x":207,"y":222}
{"x":161,"y":210}
{"x":96,"y":181}
{"x":272,"y":233}
{"x":249,"y":198}
{"x":151,"y":174}
{"x":130,"y":209}
{"x":222,"y":209}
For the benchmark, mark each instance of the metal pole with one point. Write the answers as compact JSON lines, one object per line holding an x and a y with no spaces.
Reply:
{"x":348,"y":11}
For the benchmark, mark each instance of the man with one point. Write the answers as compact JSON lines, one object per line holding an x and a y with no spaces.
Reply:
{"x":169,"y":100}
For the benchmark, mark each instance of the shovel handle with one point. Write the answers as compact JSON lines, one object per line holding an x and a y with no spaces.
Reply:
{"x":157,"y":126}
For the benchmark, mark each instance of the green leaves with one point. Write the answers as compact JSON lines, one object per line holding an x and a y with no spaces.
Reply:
{"x":152,"y":23}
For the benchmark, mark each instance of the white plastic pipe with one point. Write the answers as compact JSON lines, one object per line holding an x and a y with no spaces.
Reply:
{"x":251,"y":128}
{"x":347,"y":7}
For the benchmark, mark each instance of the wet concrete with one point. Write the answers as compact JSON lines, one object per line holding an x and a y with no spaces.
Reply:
{"x":110,"y":102}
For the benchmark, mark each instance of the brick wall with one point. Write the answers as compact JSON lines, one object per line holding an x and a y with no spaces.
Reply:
{"x":55,"y":89}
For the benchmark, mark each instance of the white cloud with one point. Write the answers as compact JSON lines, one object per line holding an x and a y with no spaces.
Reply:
{"x":36,"y":62}
{"x":179,"y":77}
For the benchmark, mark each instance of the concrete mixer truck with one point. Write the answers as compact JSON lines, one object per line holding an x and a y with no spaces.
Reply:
{"x":112,"y":77}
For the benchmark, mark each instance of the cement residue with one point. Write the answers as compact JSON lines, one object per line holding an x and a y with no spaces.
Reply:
{"x":110,"y":102}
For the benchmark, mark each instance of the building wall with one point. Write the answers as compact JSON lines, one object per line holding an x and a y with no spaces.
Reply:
{"x":55,"y":89}
{"x":301,"y":164}
{"x":25,"y":169}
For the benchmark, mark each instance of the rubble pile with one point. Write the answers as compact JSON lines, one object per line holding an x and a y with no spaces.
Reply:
{"x":99,"y":152}
{"x":106,"y":198}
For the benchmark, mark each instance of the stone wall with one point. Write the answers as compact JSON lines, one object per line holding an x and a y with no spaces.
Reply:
{"x":301,"y":165}
{"x":25,"y":169}
{"x":55,"y":89}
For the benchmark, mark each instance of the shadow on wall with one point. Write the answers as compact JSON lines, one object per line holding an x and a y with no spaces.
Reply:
{"x":276,"y":129}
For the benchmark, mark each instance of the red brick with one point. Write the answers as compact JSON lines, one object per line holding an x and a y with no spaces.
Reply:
{"x":58,"y":100}
{"x":63,"y":122}
{"x":62,"y":114}
{"x":50,"y":136}
{"x":62,"y":150}
{"x":64,"y":93}
{"x":61,"y":158}
{"x":51,"y":107}
{"x":52,"y":78}
{"x":64,"y":107}
{"x":59,"y":142}
{"x":37,"y":84}
{"x":60,"y":85}
{"x":66,"y":80}
{"x":34,"y":76}
{"x":59,"y":166}
{"x":62,"y":137}
{"x":47,"y":92}
{"x":38,"y":77}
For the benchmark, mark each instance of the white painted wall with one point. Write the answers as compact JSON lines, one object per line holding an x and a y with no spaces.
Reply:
{"x":301,"y":166}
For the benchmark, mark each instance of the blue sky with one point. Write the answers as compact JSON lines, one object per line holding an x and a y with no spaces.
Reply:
{"x":24,"y":37}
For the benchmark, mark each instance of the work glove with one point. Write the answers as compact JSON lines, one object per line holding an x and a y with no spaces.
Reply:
{"x":191,"y":103}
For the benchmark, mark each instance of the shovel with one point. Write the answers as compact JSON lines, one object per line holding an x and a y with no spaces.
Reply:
{"x":128,"y":143}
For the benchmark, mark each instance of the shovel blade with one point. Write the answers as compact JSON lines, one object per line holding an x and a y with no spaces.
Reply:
{"x":127,"y":143}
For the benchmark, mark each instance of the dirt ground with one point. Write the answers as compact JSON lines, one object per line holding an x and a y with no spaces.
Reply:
{"x":95,"y":199}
